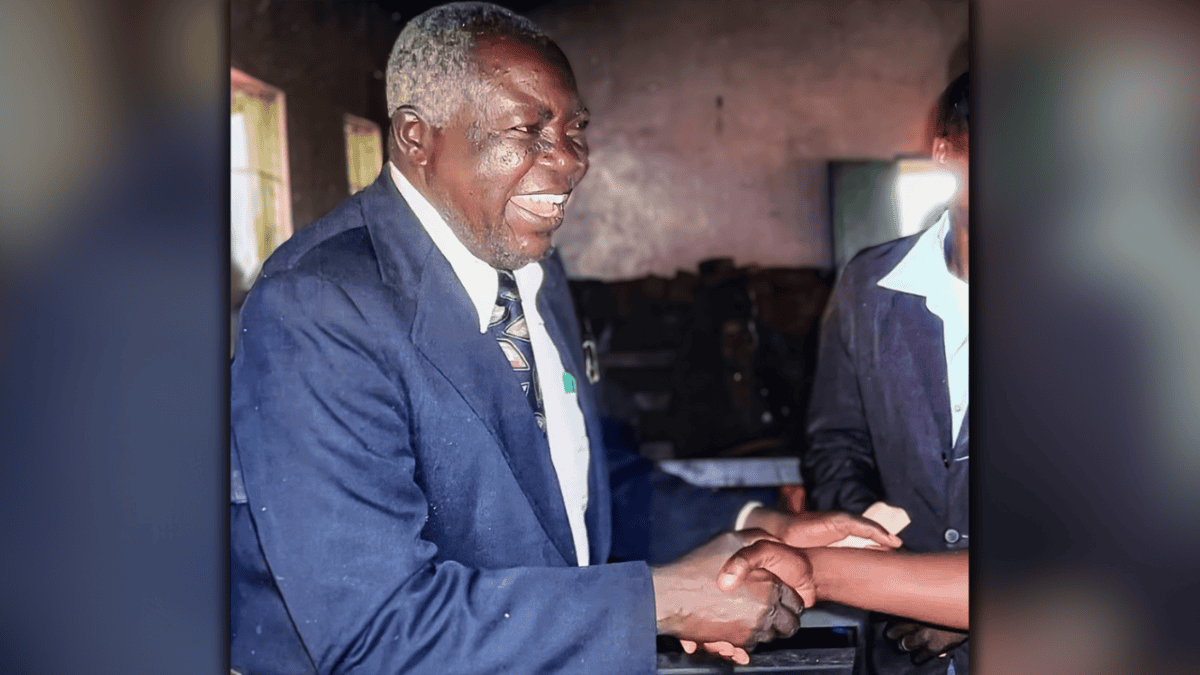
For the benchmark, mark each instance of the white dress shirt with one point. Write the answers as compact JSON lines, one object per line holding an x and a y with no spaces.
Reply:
{"x":565,"y":428}
{"x":924,"y":272}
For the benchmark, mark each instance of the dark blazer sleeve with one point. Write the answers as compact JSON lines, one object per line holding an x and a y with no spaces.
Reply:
{"x":658,"y":517}
{"x":324,"y":440}
{"x":839,"y":465}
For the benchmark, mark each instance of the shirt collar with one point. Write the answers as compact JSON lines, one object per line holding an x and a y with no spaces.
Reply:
{"x":476,"y":276}
{"x":923,"y":270}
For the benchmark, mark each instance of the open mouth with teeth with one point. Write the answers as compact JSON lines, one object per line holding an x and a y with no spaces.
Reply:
{"x":544,"y":206}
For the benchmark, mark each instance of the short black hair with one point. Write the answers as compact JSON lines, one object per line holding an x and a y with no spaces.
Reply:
{"x":953,"y":109}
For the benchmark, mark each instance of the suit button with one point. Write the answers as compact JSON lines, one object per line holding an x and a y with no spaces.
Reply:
{"x":952,"y":536}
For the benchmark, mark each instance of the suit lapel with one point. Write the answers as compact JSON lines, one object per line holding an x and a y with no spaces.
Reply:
{"x":913,"y":364}
{"x":556,"y":309}
{"x":446,"y":331}
{"x":551,"y":300}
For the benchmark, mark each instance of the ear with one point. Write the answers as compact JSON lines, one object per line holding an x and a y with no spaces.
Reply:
{"x":412,"y":136}
{"x":940,"y":150}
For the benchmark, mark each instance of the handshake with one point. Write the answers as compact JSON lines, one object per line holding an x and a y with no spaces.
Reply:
{"x":736,"y":591}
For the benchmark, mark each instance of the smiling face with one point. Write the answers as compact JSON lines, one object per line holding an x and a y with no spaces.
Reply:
{"x":501,"y":170}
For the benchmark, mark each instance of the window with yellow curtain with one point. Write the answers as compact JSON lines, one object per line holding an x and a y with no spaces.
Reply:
{"x":260,"y":194}
{"x":364,"y":152}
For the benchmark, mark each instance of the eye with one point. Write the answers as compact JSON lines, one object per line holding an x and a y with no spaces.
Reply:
{"x":525,"y":129}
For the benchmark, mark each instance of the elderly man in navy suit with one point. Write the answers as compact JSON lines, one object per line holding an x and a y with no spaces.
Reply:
{"x":888,"y":418}
{"x":419,"y":480}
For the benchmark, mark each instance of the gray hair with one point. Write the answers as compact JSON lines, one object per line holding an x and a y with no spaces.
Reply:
{"x":431,"y":68}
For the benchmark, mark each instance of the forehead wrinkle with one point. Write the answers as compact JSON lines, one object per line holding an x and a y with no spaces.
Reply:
{"x":544,"y":105}
{"x":493,"y":90}
{"x":506,"y":100}
{"x":493,"y":101}
{"x":526,"y":76}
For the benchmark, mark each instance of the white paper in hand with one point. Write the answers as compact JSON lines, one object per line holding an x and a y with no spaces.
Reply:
{"x":892,"y":518}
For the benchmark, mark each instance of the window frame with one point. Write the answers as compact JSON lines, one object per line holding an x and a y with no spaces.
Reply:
{"x":276,"y":101}
{"x":354,"y":122}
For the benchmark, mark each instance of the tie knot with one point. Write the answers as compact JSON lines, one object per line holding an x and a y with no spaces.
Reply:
{"x":508,"y":300}
{"x":508,"y":286}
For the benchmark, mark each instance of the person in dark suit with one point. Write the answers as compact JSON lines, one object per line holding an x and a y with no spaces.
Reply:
{"x":888,"y":418}
{"x":419,"y":483}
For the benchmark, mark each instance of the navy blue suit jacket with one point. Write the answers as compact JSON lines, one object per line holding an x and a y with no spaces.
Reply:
{"x":394,"y":506}
{"x":879,"y":421}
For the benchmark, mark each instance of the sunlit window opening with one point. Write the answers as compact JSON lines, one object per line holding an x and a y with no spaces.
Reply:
{"x":922,"y":188}
{"x":364,"y":152}
{"x":259,"y":194}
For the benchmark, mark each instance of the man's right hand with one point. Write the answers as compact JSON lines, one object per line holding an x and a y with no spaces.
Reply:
{"x":689,"y":605}
{"x":790,"y":565}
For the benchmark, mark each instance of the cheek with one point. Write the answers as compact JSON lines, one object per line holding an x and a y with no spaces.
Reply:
{"x":502,"y":161}
{"x":513,"y":160}
{"x":504,"y":170}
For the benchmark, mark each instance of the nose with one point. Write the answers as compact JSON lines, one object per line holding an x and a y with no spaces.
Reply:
{"x":567,"y":154}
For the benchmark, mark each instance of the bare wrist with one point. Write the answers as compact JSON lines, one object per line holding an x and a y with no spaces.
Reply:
{"x":823,"y":573}
{"x":665,"y":613}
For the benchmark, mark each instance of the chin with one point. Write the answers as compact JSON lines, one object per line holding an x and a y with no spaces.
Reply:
{"x":510,"y":259}
{"x":542,"y":253}
{"x":536,"y":247}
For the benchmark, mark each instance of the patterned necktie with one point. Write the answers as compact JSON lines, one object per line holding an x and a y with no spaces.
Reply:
{"x":512,"y":332}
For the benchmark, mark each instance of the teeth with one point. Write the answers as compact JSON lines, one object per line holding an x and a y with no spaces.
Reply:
{"x":545,"y":206}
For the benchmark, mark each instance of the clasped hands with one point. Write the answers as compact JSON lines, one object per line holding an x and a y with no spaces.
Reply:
{"x":721,"y":596}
